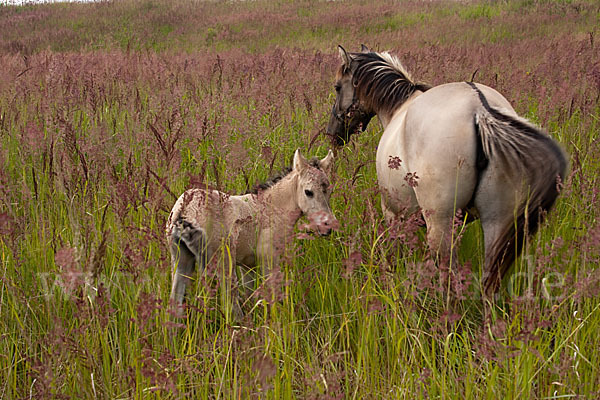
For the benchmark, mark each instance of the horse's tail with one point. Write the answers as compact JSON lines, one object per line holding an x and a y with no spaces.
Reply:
{"x":529,"y":154}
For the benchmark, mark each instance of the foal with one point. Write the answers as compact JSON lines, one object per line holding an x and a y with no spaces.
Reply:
{"x":255,"y":225}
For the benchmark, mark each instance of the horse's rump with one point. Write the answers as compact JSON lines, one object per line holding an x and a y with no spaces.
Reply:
{"x":535,"y":164}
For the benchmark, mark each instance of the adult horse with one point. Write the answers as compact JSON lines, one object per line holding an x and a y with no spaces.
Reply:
{"x":464,"y":145}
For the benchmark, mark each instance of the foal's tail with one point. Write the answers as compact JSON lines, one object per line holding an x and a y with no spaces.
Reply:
{"x":529,"y":154}
{"x":188,"y":248}
{"x":186,"y":235}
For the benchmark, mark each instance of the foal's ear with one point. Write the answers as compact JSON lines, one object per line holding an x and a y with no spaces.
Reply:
{"x":364,"y":49}
{"x":299,"y":161}
{"x":327,"y":163}
{"x":346,"y":58}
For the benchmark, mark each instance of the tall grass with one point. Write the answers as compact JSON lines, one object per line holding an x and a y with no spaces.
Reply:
{"x":109,"y":111}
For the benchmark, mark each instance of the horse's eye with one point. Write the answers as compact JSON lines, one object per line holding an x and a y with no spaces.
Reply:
{"x":338,"y":88}
{"x":308,"y":193}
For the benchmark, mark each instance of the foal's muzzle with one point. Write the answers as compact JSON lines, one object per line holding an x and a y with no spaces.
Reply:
{"x":323,"y":223}
{"x":326,"y":226}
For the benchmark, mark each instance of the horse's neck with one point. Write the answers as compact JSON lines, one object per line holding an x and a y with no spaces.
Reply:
{"x":386,"y":117}
{"x":280,"y":199}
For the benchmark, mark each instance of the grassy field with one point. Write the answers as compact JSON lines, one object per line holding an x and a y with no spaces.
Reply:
{"x":108,"y":111}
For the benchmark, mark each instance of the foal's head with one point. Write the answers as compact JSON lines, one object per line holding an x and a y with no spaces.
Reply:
{"x":313,"y":190}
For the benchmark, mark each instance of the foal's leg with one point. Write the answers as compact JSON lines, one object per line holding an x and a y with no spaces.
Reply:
{"x":239,"y":294}
{"x":232,"y":292}
{"x":187,"y":249}
{"x":248,"y":278}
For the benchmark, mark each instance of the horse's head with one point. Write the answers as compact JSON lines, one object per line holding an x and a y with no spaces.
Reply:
{"x":314,"y":190}
{"x":348,"y":114}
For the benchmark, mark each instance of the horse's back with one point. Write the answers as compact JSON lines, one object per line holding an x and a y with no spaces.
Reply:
{"x":456,"y":90}
{"x":452,"y":106}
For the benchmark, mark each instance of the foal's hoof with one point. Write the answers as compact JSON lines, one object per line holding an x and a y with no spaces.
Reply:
{"x":177,"y":311}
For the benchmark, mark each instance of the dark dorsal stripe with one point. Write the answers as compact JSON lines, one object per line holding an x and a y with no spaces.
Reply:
{"x":481,"y":160}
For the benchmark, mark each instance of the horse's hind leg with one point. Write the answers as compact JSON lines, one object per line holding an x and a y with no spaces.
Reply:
{"x":388,"y":215}
{"x":441,"y":196}
{"x":187,"y":246}
{"x":496,"y":203}
{"x":495,"y":245}
{"x":439,"y":235}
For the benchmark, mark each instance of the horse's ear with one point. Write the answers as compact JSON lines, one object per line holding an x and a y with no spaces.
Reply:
{"x":299,"y":161}
{"x":344,"y":56}
{"x":327,"y":163}
{"x":364,"y":49}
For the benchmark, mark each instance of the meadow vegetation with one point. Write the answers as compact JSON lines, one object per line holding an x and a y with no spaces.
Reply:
{"x":108,"y":111}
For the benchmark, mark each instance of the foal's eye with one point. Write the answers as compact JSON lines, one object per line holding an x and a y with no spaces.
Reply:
{"x":338,"y":88}
{"x":308,"y":193}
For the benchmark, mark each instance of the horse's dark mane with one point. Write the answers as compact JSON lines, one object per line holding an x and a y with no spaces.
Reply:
{"x":261,"y":186}
{"x":382,"y":84}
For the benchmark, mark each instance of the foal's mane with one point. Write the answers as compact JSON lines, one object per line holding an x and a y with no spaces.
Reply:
{"x":261,"y":186}
{"x":382,"y":83}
